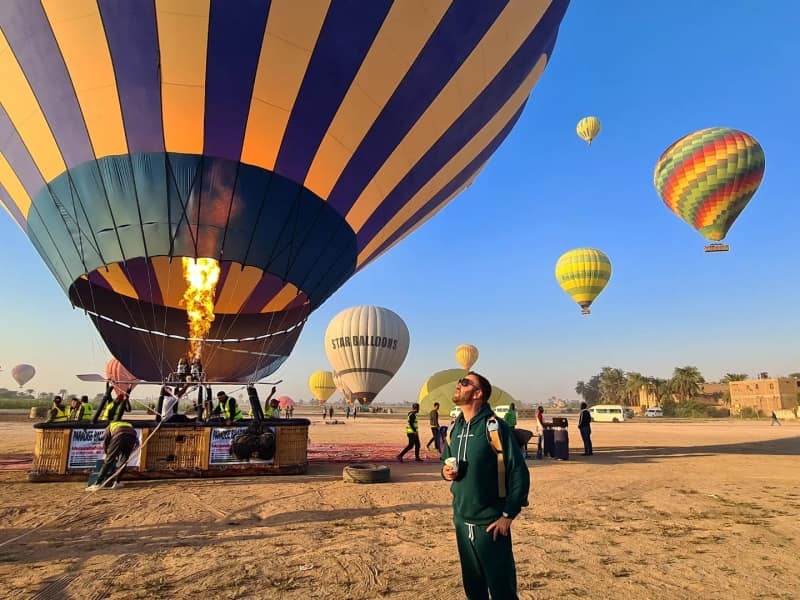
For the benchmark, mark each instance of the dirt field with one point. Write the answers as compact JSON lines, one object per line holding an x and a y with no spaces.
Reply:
{"x":663,"y":510}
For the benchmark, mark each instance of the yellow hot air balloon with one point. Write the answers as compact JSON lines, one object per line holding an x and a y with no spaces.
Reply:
{"x":583,"y":273}
{"x":466,"y":356}
{"x":321,"y":385}
{"x":588,"y":128}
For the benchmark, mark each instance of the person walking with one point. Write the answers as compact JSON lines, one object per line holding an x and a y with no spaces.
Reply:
{"x":433,"y":417}
{"x":412,"y":431}
{"x":511,"y":416}
{"x":539,"y":432}
{"x":585,"y":427}
{"x":490,"y":484}
{"x":774,"y":420}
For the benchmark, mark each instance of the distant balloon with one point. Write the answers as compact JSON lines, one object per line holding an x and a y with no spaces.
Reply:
{"x":366,"y":345}
{"x":115,"y":371}
{"x":588,"y":128}
{"x":440,"y":387}
{"x":708,"y":177}
{"x":321,"y":385}
{"x":22,"y":374}
{"x":583,"y":273}
{"x":285,"y":402}
{"x":466,"y":356}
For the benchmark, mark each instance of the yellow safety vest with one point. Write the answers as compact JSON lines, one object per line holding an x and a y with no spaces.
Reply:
{"x":112,"y":413}
{"x":409,"y":427}
{"x":227,"y":413}
{"x":62,"y":414}
{"x":87,"y":411}
{"x":117,"y":425}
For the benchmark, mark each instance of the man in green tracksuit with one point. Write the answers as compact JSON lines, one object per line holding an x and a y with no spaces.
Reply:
{"x":482,"y":511}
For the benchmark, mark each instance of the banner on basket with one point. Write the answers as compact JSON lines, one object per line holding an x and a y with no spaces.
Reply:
{"x":86,"y":448}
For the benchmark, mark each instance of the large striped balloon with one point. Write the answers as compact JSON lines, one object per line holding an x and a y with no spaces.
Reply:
{"x":292,"y":141}
{"x":583,"y":273}
{"x":709,"y":176}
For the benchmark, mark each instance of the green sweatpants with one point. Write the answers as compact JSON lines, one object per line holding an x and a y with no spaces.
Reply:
{"x":487,"y":566}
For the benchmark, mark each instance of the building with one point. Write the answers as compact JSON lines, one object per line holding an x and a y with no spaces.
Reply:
{"x":765,"y":395}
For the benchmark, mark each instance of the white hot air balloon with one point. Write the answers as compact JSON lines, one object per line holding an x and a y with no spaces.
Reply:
{"x":366,"y":345}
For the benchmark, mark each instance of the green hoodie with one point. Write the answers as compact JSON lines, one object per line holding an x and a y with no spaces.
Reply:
{"x":475,"y":494}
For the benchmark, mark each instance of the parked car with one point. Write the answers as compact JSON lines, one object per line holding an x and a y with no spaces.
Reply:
{"x":501,"y":410}
{"x":455,"y":411}
{"x":654,"y":412}
{"x":608,"y":413}
{"x":628,"y":412}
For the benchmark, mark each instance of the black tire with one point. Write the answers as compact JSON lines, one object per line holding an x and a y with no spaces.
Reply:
{"x":366,"y":473}
{"x":615,"y":420}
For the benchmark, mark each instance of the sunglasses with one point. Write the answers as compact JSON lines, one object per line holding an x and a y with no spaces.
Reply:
{"x":466,"y":382}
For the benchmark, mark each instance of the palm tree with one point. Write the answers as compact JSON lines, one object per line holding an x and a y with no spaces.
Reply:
{"x":795,"y":375}
{"x":589,"y":391}
{"x":634,"y":382}
{"x":734,"y":377}
{"x":686,"y":382}
{"x":612,"y":385}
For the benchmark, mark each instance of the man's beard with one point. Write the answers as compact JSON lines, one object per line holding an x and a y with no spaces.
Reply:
{"x":458,"y":399}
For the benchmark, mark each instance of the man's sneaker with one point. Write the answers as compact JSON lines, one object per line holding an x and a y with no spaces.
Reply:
{"x":400,"y":458}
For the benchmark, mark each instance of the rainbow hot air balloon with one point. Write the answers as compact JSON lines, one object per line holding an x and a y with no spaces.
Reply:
{"x":22,"y":374}
{"x":583,"y":273}
{"x":588,"y":128}
{"x":708,"y":177}
{"x":116,"y":372}
{"x":289,"y":142}
{"x":466,"y":356}
{"x":366,"y":345}
{"x":322,"y":385}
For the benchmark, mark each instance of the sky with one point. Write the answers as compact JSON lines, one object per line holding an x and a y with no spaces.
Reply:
{"x":482,"y":270}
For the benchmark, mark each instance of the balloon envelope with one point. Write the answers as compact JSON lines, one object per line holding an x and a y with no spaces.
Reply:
{"x":709,"y":176}
{"x":366,"y":345}
{"x":466,"y":356}
{"x":285,"y":402}
{"x":583,"y":273}
{"x":440,"y":387}
{"x":322,"y":386}
{"x":588,"y":128}
{"x":23,"y":373}
{"x":116,"y":371}
{"x":293,"y":142}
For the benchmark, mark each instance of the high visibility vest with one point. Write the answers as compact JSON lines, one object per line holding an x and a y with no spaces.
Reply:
{"x":62,"y":414}
{"x":268,"y":412}
{"x":412,"y":427}
{"x":87,"y":411}
{"x":117,"y":425}
{"x":113,"y":412}
{"x":225,"y":404}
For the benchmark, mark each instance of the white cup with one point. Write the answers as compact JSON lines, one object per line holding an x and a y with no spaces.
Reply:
{"x":452,"y":462}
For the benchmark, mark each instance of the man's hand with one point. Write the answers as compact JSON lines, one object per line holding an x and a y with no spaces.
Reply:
{"x":501,"y":526}
{"x":448,"y":473}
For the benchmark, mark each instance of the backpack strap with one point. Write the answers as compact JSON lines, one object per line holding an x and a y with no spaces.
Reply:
{"x":496,"y":444}
{"x":449,"y":432}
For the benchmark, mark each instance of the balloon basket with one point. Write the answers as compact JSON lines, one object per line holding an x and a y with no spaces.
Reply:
{"x":586,"y":311}
{"x":716,"y":248}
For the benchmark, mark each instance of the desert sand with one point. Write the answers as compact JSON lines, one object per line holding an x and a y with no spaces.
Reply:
{"x":706,"y":509}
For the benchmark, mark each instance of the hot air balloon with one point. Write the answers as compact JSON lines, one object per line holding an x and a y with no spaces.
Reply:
{"x":588,"y":128}
{"x":440,"y":387}
{"x":291,"y":142}
{"x":115,"y":371}
{"x":285,"y":402}
{"x":583,"y":273}
{"x":346,"y":393}
{"x":466,"y":356}
{"x":321,"y":385}
{"x":708,"y":177}
{"x":366,"y":345}
{"x":22,"y":374}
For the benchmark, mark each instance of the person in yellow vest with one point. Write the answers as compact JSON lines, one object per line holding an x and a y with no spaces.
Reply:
{"x":412,"y":431}
{"x":115,"y":410}
{"x":75,"y":409}
{"x":87,"y":409}
{"x":227,"y":408}
{"x":119,"y":441}
{"x":58,"y":412}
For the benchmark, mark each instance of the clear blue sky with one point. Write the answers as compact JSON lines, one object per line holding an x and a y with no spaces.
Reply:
{"x":481,"y":271}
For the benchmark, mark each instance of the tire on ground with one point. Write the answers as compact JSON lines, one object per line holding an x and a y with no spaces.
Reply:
{"x":366,"y":473}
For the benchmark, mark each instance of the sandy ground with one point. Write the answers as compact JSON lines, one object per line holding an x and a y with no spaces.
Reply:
{"x":663,"y":510}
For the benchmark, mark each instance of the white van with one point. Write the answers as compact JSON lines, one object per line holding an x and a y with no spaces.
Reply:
{"x":607,"y":413}
{"x":654,"y":411}
{"x":501,"y":410}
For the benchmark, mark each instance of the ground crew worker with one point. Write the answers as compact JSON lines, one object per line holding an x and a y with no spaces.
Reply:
{"x":58,"y":412}
{"x":87,"y":409}
{"x":119,"y":440}
{"x":75,"y":409}
{"x":412,"y":431}
{"x":115,"y":410}
{"x":511,"y":416}
{"x":227,"y":408}
{"x":490,"y":484}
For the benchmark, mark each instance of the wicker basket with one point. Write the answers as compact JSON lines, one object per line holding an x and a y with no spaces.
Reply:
{"x":51,"y":451}
{"x":177,"y":449}
{"x":291,"y":445}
